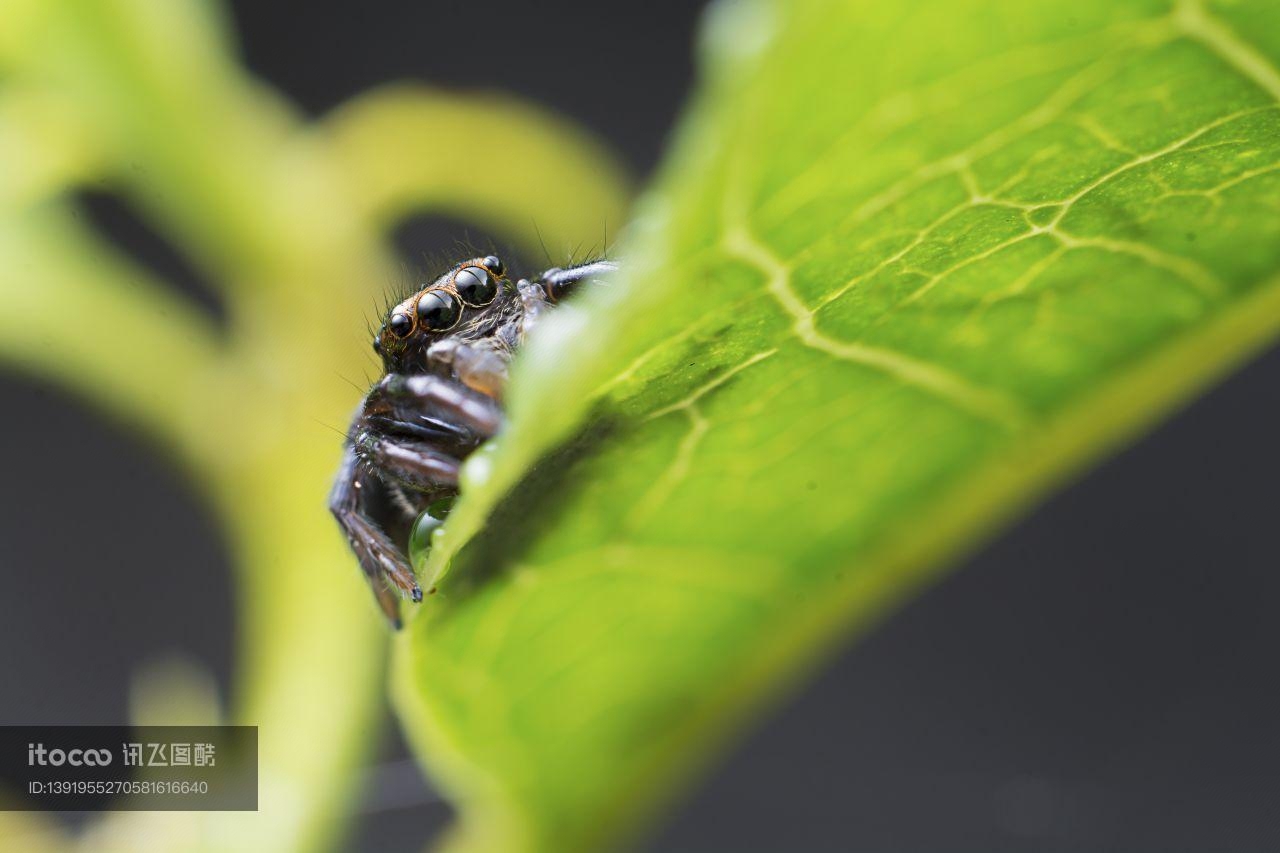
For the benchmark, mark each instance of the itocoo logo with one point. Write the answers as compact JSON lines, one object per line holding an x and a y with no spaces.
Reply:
{"x":37,"y":754}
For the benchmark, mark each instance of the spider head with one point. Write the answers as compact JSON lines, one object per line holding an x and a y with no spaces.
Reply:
{"x":437,"y":310}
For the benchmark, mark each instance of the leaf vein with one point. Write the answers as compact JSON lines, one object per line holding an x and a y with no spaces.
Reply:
{"x":1201,"y":25}
{"x":986,"y":404}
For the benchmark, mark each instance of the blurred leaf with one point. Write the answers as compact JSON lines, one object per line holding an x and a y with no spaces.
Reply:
{"x":490,"y":159}
{"x":174,"y":690}
{"x":33,"y":832}
{"x":909,"y":265}
{"x":151,"y":360}
{"x":159,"y":93}
{"x":44,"y":147}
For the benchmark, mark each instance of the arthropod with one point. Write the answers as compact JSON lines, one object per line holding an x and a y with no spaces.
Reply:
{"x":444,"y":351}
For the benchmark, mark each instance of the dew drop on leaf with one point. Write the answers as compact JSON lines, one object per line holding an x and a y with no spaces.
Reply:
{"x":427,"y":523}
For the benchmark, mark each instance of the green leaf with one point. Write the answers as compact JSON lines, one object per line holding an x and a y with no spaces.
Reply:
{"x":909,"y":265}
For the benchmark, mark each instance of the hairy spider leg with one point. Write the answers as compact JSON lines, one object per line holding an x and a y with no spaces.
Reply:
{"x":390,"y":436}
{"x":553,"y":285}
{"x":441,"y":399}
{"x":559,"y":283}
{"x":378,"y":556}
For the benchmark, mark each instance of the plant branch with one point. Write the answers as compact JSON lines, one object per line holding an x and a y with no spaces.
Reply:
{"x":404,"y":147}
{"x":81,"y":315}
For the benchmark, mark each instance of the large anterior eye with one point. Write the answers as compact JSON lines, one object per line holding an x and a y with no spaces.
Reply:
{"x":475,"y":285}
{"x":439,"y":310}
{"x":400,"y":324}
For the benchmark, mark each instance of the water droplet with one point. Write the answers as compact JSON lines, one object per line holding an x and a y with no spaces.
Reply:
{"x":427,"y":523}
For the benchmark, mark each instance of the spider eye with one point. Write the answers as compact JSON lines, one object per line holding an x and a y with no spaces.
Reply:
{"x":475,"y":286}
{"x":400,"y":325}
{"x":494,"y":265}
{"x":377,"y":345}
{"x":439,"y":310}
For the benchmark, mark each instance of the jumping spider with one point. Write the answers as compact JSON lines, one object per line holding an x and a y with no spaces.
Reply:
{"x":444,"y":354}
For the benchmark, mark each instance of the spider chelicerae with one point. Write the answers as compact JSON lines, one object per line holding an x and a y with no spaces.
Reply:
{"x":444,"y":352}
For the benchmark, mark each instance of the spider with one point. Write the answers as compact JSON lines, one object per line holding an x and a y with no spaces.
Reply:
{"x":444,"y":354}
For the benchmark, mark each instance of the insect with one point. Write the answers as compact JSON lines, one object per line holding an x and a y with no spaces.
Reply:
{"x":445,"y":351}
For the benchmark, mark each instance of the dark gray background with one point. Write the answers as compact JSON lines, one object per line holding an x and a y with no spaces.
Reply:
{"x":1102,"y":677}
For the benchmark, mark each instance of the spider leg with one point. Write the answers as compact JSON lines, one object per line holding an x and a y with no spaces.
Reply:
{"x":414,"y":463}
{"x":377,"y":555}
{"x":407,"y":398}
{"x":414,"y":431}
{"x":553,"y":285}
{"x":560,"y":282}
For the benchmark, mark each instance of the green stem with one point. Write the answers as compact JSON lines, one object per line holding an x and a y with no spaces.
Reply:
{"x":79,"y":314}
